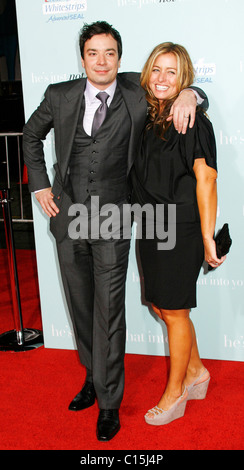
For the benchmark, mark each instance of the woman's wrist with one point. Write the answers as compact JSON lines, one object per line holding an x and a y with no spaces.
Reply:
{"x":207,"y":238}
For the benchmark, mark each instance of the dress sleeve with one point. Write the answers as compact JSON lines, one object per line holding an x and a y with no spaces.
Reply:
{"x":199,"y":142}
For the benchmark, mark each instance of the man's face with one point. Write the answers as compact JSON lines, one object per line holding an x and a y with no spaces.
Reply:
{"x":101,"y":60}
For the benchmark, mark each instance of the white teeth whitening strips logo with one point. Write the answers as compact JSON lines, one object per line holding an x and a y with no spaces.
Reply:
{"x":205,"y":71}
{"x":51,"y":7}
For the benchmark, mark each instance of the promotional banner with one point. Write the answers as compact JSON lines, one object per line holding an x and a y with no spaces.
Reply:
{"x":212,"y":32}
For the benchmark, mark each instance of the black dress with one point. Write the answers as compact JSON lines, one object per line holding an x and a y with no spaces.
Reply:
{"x":163,"y":174}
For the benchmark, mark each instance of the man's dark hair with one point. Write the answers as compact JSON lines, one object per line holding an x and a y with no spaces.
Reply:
{"x":99,"y":27}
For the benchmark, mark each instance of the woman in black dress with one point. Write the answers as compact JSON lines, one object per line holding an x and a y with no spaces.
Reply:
{"x":181,"y":170}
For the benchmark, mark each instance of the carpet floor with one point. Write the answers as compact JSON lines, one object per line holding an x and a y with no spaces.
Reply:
{"x":38,"y":385}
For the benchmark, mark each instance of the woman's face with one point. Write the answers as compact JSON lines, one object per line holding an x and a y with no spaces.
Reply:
{"x":163,"y":79}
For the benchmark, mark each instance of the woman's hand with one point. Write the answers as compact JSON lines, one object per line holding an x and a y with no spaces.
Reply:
{"x":210,"y":253}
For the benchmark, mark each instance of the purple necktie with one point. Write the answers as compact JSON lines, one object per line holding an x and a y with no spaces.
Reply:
{"x":100,"y":113}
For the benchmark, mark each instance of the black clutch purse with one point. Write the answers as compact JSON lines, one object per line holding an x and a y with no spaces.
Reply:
{"x":223,"y":242}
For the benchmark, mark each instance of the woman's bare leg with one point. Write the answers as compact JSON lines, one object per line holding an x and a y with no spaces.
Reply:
{"x":185,"y":362}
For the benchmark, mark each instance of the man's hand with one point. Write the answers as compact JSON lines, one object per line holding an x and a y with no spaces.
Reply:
{"x":183,"y":109}
{"x":45,"y":198}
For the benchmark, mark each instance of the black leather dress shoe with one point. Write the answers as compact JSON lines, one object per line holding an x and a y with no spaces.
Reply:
{"x":84,"y":399}
{"x":108,"y":424}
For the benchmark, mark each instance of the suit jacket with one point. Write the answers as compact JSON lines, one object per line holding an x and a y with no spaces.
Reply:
{"x":60,"y":110}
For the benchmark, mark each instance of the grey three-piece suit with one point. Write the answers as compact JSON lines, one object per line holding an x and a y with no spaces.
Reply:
{"x":93,"y":271}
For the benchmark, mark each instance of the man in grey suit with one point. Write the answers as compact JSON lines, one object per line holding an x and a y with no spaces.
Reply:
{"x":93,"y":163}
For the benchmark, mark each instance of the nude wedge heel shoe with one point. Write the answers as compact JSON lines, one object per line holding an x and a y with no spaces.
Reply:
{"x":160,"y":416}
{"x":198,"y":391}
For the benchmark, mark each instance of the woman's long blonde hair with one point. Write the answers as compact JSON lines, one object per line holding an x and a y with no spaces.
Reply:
{"x":185,"y":77}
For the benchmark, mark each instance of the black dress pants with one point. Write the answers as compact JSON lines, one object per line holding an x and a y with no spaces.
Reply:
{"x":94,"y":277}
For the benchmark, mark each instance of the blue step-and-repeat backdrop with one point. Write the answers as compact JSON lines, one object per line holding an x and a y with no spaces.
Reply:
{"x":212,"y":32}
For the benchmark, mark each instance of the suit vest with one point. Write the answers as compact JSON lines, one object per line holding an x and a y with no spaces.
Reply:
{"x":98,"y":166}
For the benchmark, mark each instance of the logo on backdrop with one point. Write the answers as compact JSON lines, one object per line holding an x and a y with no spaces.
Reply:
{"x":64,"y":10}
{"x":205,"y":71}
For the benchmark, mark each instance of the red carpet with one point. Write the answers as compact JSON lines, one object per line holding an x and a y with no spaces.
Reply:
{"x":37,"y":386}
